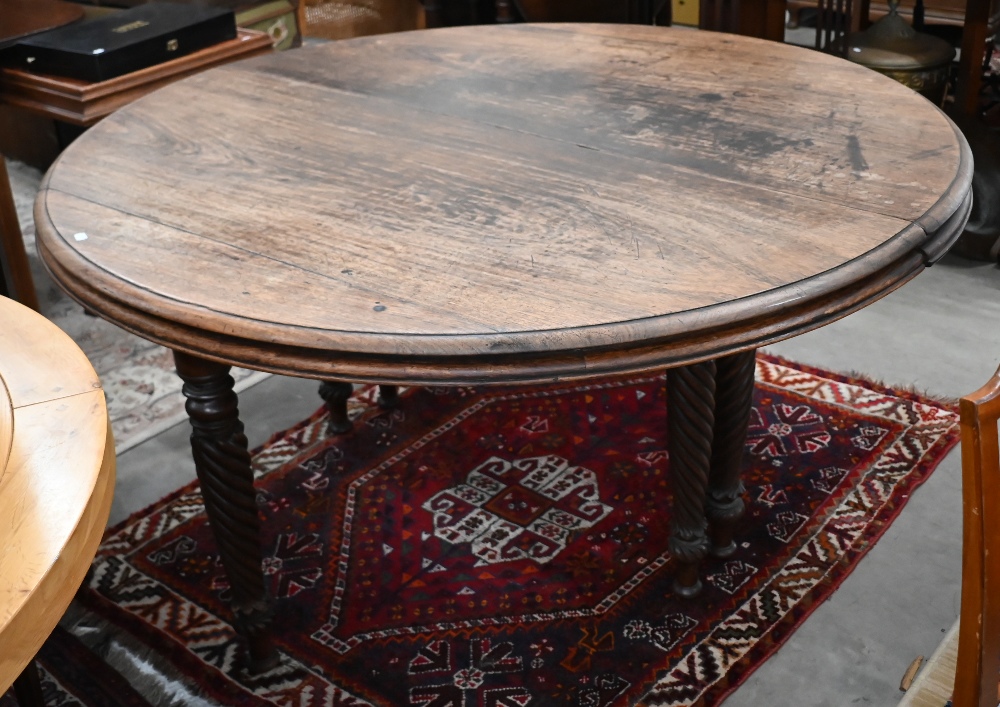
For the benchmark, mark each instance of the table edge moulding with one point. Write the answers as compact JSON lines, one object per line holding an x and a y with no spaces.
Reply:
{"x":783,"y":312}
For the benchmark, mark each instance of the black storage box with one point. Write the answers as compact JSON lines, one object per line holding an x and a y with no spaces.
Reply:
{"x":116,"y":44}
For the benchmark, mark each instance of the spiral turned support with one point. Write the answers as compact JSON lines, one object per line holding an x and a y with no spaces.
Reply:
{"x":388,"y":396}
{"x":724,"y":506}
{"x":222,"y":462}
{"x":690,"y":420}
{"x":504,"y":11}
{"x":335,"y":395}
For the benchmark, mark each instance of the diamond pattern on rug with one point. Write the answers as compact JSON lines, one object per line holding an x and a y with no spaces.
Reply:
{"x":508,"y":546}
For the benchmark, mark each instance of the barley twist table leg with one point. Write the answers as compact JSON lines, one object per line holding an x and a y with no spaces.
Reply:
{"x":388,"y":396}
{"x":690,"y":419}
{"x":335,"y":395}
{"x":504,"y":11}
{"x":734,"y":380}
{"x":222,"y":462}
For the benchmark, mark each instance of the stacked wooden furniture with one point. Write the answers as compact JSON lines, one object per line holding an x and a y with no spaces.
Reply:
{"x":57,"y":475}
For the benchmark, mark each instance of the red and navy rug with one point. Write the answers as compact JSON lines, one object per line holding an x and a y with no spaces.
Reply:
{"x":486,"y":547}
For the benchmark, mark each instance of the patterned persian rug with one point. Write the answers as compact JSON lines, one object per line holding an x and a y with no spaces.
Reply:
{"x":143,"y":391}
{"x":503,"y":547}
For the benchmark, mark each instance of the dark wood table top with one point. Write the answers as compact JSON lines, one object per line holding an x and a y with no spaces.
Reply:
{"x":504,"y":203}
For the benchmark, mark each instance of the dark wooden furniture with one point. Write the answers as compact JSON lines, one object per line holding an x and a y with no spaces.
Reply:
{"x":751,"y":18}
{"x":15,"y":274}
{"x":501,"y":204}
{"x":83,"y":103}
{"x":629,"y":11}
{"x":24,"y":17}
{"x":936,"y":12}
{"x":57,"y":478}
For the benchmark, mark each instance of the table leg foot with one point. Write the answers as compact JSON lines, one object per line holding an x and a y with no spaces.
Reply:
{"x":690,"y":419}
{"x":222,"y":462}
{"x":724,"y":506}
{"x":335,"y":395}
{"x":388,"y":396}
{"x":28,"y":686}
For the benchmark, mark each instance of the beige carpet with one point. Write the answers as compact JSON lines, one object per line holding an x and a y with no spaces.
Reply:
{"x":143,"y":391}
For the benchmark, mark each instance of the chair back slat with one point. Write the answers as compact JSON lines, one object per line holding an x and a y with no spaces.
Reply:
{"x":978,"y":671}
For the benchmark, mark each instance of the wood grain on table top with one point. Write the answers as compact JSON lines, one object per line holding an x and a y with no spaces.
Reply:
{"x":519,"y":190}
{"x":56,"y":483}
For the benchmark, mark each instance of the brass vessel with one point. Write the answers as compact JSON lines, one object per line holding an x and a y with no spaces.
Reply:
{"x":892,"y":47}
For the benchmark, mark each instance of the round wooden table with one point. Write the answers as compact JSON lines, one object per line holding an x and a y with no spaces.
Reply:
{"x":501,"y":204}
{"x":57,"y":478}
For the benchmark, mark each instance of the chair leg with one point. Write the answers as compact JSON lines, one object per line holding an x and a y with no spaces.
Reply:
{"x":28,"y":687}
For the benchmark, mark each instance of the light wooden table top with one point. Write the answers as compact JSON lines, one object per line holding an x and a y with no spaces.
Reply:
{"x":56,"y":480}
{"x":503,"y":203}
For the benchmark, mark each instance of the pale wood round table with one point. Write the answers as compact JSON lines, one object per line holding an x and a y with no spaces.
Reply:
{"x":57,"y":478}
{"x":501,"y":204}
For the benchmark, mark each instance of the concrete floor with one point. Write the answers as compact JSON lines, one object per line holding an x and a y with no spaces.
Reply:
{"x":940,"y":334}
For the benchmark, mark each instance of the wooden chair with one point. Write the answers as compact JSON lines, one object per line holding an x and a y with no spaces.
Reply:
{"x":766,"y":19}
{"x":836,"y":19}
{"x":343,"y":19}
{"x":978,"y":671}
{"x":966,"y":666}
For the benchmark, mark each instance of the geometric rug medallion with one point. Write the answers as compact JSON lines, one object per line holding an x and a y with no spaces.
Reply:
{"x":492,"y":547}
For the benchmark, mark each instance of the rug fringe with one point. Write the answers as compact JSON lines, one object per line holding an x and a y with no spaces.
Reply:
{"x":145,"y":669}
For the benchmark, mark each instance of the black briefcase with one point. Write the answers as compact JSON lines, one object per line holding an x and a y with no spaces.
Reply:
{"x":126,"y":41}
